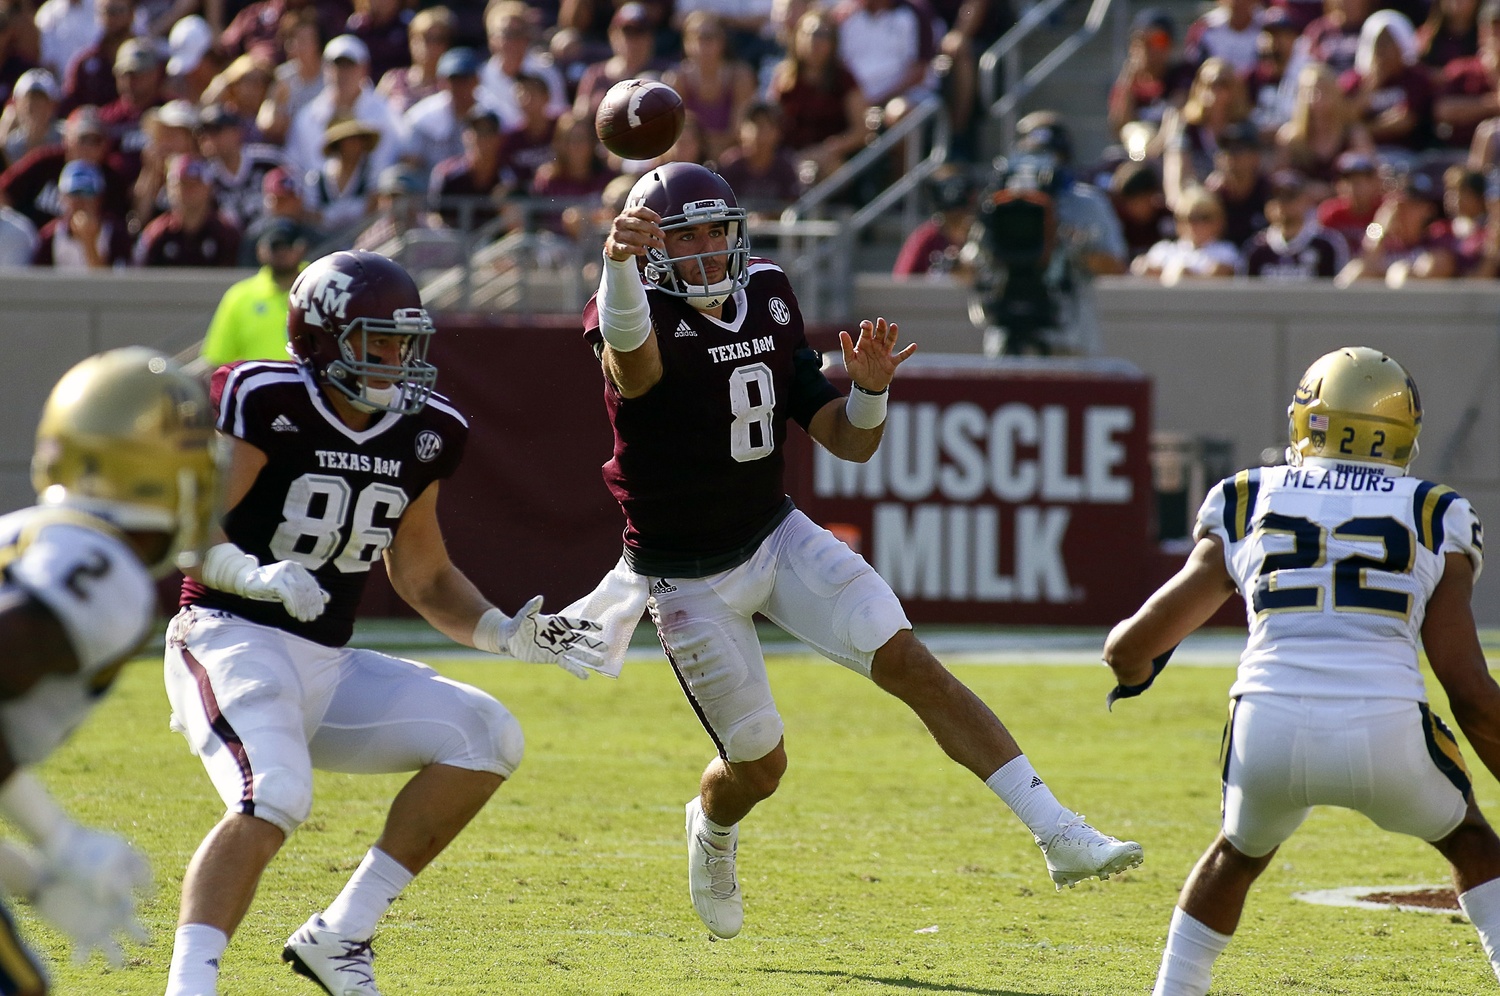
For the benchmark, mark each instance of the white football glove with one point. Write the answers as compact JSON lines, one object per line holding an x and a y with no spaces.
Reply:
{"x":529,"y":636}
{"x":88,"y":889}
{"x":228,"y":568}
{"x":292,"y":585}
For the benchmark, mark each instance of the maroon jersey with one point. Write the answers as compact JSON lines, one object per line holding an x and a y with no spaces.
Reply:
{"x":698,"y":464}
{"x":329,"y":497}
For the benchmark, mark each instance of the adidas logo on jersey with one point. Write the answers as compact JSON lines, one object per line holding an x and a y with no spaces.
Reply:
{"x":282,"y":424}
{"x":662,"y":586}
{"x":684,"y":330}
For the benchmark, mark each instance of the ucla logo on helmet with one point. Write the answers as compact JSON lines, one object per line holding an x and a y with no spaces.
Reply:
{"x":779,"y":311}
{"x":429,"y":445}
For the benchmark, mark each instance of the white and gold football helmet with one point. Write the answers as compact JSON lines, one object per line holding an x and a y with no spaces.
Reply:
{"x":1357,"y":404}
{"x":128,"y":436}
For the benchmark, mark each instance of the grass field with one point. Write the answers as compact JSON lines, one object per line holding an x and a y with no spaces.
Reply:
{"x":880,"y":867}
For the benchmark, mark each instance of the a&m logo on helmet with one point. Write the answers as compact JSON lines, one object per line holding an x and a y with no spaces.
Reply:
{"x":328,"y":297}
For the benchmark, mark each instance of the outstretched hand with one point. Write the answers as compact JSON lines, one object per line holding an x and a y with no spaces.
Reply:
{"x":872,"y":361}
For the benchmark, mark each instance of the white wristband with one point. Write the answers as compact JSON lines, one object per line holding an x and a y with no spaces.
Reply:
{"x":227,"y":568}
{"x":866,"y":409}
{"x":487,"y":631}
{"x":624,"y":314}
{"x":29,"y":806}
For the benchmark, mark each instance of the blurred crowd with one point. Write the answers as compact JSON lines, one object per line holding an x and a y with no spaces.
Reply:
{"x":213,"y":132}
{"x":1299,"y":139}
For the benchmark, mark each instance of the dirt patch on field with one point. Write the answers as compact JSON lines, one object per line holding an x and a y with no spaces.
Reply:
{"x":1444,"y":900}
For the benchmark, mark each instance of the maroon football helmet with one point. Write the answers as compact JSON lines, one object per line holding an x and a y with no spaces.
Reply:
{"x":336,"y":301}
{"x":687,"y":194}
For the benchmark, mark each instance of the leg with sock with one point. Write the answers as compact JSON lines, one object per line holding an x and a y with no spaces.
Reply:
{"x":1208,"y":911}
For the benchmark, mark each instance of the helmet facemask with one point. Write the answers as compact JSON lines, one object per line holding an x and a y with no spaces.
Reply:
{"x":666,"y":271}
{"x":410,"y":382}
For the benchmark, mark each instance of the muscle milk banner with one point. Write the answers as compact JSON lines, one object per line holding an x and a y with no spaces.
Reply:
{"x":1002,"y":493}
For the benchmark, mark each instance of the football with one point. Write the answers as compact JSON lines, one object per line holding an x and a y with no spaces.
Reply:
{"x":639,"y":119}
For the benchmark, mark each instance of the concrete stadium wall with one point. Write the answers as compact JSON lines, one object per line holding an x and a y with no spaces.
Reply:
{"x":1223,"y":357}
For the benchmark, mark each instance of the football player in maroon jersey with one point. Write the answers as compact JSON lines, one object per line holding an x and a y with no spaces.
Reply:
{"x":705,"y":361}
{"x":335,"y":460}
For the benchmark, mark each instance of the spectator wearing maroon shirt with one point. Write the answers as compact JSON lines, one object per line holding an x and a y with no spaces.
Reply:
{"x":1239,"y":182}
{"x":262,"y":22}
{"x":1450,"y":32}
{"x":1135,"y":191}
{"x":90,"y":77}
{"x":192,"y":232}
{"x":1293,"y":246}
{"x":1151,"y":79}
{"x":83,"y":236}
{"x":933,"y":247}
{"x":1468,"y":94}
{"x":1408,"y":240}
{"x":381,"y":25}
{"x":824,"y":112}
{"x":758,"y":167}
{"x":1357,"y":196}
{"x":465,"y":191}
{"x":30,"y":185}
{"x":1333,"y":38}
{"x":632,"y":42}
{"x":12,"y":62}
{"x":140,"y":88}
{"x":1392,"y":91}
{"x":527,"y":146}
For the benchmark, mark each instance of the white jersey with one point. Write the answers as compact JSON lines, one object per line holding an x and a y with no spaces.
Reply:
{"x":1336,"y":562}
{"x":97,"y":588}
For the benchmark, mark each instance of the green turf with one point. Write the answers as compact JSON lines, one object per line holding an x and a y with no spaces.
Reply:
{"x":880,"y":867}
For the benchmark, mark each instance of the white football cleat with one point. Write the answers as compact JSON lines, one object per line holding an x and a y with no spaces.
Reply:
{"x":339,"y":964}
{"x":1078,"y":851}
{"x":711,"y":880}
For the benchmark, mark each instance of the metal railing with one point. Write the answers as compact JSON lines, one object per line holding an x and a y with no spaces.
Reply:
{"x":1006,"y":54}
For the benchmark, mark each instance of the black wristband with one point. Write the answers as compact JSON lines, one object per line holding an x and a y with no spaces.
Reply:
{"x":873,"y":394}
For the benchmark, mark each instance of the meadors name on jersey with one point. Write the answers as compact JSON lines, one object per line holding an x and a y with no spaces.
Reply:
{"x":950,"y":480}
{"x":1340,"y":477}
{"x":359,"y":462}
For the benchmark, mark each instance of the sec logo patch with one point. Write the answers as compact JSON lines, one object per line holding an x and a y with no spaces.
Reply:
{"x":429,"y":445}
{"x":779,"y":311}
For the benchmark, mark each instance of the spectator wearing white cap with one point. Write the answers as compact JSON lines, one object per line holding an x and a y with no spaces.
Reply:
{"x":89,"y":78}
{"x":434,"y":125}
{"x":84,"y":236}
{"x":191,"y":65}
{"x":30,"y":120}
{"x":66,"y":27}
{"x":347,"y":94}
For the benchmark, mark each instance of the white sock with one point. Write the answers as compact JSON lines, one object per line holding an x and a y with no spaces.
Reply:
{"x":1189,"y":958}
{"x":1022,"y":789}
{"x":1482,"y":906}
{"x":196,"y":951}
{"x":372,"y":888}
{"x":720,"y":836}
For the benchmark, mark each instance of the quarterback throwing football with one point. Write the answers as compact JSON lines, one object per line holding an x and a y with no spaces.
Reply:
{"x":705,"y":361}
{"x":1345,"y":562}
{"x":335,"y":460}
